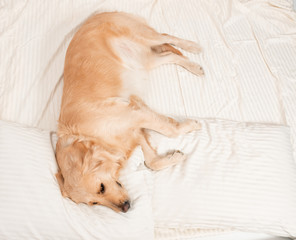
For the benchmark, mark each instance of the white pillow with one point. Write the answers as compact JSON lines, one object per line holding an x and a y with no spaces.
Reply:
{"x":32,"y":206}
{"x":237,"y":175}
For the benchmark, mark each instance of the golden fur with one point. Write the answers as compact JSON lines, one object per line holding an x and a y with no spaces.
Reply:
{"x":102,"y":119}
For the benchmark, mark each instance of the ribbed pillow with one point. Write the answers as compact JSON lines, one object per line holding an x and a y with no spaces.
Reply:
{"x":237,"y":175}
{"x":31,"y":205}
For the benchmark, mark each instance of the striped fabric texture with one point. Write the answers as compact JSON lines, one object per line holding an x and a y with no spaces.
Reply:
{"x":233,"y":179}
{"x":237,"y":175}
{"x":250,"y":70}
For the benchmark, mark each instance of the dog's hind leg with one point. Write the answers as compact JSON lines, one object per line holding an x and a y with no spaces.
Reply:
{"x":166,"y":54}
{"x":186,"y":45}
{"x":152,"y":37}
{"x":164,"y":49}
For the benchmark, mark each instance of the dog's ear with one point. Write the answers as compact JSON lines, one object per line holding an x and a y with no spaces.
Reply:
{"x":60,"y":179}
{"x":70,"y":154}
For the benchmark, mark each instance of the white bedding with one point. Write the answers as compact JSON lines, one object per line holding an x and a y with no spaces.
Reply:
{"x":32,"y":206}
{"x":232,"y":180}
{"x":249,"y":60}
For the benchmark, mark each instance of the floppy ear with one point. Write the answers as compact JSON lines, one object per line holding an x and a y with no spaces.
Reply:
{"x":69,"y":157}
{"x":60,"y":179}
{"x":70,"y":154}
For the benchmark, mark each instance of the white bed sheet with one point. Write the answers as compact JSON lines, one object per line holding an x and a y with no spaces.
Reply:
{"x":239,"y":236}
{"x":249,"y":58}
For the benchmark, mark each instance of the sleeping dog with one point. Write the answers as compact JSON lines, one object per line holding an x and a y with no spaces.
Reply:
{"x":102,"y":118}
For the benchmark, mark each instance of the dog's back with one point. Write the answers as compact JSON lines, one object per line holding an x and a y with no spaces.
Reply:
{"x":98,"y":64}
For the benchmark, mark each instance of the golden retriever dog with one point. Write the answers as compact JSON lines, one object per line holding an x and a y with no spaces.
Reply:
{"x":102,"y":118}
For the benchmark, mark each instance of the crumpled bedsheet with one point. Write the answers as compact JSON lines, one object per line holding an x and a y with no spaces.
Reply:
{"x":249,"y":51}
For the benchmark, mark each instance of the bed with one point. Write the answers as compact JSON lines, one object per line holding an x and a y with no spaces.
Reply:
{"x":239,"y":181}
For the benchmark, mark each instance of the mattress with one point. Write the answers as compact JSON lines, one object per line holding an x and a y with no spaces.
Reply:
{"x":249,"y":52}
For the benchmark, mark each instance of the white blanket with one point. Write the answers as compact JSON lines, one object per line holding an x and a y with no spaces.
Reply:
{"x":248,"y":55}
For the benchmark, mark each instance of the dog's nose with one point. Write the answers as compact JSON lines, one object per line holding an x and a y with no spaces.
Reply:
{"x":125,"y":206}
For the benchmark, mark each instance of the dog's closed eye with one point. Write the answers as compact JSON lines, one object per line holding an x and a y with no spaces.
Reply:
{"x":102,"y":189}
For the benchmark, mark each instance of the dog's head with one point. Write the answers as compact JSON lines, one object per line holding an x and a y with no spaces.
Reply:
{"x":89,"y":174}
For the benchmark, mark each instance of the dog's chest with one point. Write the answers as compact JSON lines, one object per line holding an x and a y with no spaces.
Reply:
{"x":134,"y":82}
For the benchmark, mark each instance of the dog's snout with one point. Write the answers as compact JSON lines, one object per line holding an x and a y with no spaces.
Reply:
{"x":125,"y":206}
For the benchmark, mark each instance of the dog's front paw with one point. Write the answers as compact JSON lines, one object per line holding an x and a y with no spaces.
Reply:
{"x":176,"y":157}
{"x":168,"y":160}
{"x":196,"y":125}
{"x":190,"y":125}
